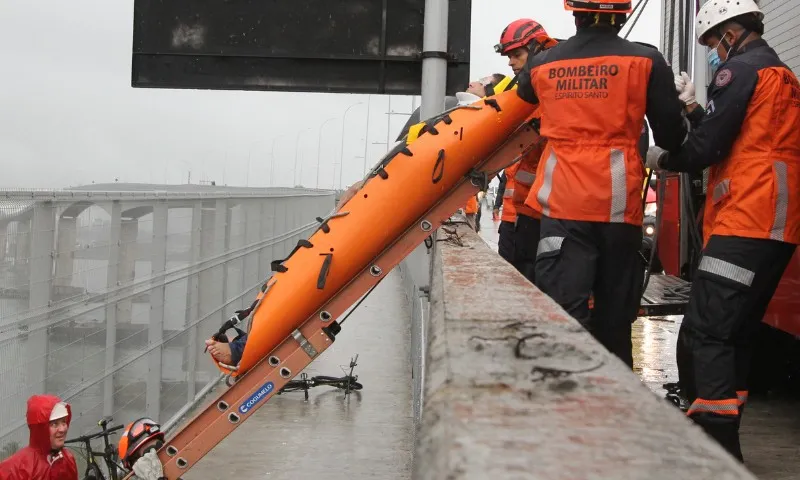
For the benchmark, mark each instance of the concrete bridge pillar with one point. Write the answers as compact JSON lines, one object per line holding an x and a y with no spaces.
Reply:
{"x":40,"y":278}
{"x":266,"y":254}
{"x":22,"y":242}
{"x":251,"y":274}
{"x":192,"y":302}
{"x":214,"y":219}
{"x":65,"y":250}
{"x":126,"y":271}
{"x":112,"y":276}
{"x":155,"y":328}
{"x":3,"y":242}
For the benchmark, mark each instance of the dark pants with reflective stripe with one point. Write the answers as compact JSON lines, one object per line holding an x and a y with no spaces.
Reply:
{"x":577,"y":259}
{"x":526,"y":240}
{"x":505,"y":243}
{"x":730,"y":294}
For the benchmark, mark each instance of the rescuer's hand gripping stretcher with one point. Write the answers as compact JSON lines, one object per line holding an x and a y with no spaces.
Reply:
{"x":293,"y":319}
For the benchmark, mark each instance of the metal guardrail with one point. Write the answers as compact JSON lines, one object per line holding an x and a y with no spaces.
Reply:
{"x":110,"y":311}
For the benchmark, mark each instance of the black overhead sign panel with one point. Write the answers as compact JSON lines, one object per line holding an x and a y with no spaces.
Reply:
{"x":355,"y":46}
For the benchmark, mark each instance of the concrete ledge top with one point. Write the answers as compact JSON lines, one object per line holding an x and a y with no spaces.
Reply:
{"x":516,"y":388}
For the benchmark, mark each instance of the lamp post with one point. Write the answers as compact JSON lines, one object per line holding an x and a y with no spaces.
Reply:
{"x":272,"y":163}
{"x":296,"y":151}
{"x":341,"y":153}
{"x":319,"y":146}
{"x":366,"y":136}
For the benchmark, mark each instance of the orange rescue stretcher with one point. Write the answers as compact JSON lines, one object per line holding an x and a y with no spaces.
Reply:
{"x":294,"y":316}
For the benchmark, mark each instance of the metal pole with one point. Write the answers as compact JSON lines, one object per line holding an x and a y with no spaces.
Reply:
{"x":366,"y":141}
{"x":700,"y":71}
{"x":247,"y":179}
{"x":341,"y":153}
{"x":388,"y":122}
{"x":319,"y":146}
{"x":272,"y":163}
{"x":434,"y":69}
{"x":296,"y":150}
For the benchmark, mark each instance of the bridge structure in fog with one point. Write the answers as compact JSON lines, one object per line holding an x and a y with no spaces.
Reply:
{"x":108,"y":291}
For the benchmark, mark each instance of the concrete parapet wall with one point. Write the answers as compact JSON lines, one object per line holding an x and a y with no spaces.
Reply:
{"x":516,"y":388}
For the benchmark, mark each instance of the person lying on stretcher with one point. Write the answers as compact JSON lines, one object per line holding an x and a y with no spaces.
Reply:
{"x":230,"y":353}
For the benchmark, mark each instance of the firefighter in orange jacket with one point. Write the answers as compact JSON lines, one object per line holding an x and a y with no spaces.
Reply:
{"x":471,"y":211}
{"x":593,"y":91}
{"x":749,"y":136}
{"x":519,"y":226}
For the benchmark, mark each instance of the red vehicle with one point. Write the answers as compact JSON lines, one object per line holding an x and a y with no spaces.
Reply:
{"x":777,"y":356}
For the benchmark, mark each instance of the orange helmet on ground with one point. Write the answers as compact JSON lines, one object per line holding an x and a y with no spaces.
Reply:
{"x":520,"y":33}
{"x":136,"y":434}
{"x":601,"y":6}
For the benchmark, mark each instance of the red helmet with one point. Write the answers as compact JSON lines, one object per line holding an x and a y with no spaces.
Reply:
{"x":520,"y":33}
{"x":136,"y":434}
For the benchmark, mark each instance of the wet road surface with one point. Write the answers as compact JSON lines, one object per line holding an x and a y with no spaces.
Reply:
{"x":770,"y":431}
{"x":368,"y":435}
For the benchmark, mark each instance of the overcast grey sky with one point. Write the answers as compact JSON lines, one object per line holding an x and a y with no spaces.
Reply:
{"x":69,"y":115}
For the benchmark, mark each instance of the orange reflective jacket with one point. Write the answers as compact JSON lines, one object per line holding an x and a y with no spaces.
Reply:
{"x":749,"y":136}
{"x":472,"y":205}
{"x":509,"y":211}
{"x":523,"y":180}
{"x":755,"y":191}
{"x":593,"y":92}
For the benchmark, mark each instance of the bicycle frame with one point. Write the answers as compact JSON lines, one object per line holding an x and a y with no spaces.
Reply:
{"x":107,"y":454}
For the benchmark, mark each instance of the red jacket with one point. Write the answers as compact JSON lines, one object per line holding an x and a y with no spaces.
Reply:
{"x":37,"y":461}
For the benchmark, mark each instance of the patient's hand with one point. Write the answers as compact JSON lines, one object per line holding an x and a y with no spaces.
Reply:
{"x":220,"y":351}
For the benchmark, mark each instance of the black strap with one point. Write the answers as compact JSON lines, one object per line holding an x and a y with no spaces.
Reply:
{"x":492,"y":103}
{"x":276,"y":266}
{"x":323,"y":272}
{"x":439,"y":162}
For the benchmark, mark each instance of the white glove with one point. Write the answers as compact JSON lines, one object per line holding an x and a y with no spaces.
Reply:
{"x":149,"y":467}
{"x":654,"y":155}
{"x":685,"y":88}
{"x":465,"y":98}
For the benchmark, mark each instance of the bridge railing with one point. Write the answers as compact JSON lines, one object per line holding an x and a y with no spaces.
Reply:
{"x":106,"y":298}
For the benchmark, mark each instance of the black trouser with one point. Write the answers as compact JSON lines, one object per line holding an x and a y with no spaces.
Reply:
{"x":730,"y":294}
{"x":576,"y":259}
{"x":478,"y":218}
{"x":505,"y":244}
{"x":526,"y":240}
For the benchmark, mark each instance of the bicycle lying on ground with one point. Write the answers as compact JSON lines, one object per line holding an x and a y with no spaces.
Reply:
{"x":346,"y":383}
{"x":109,"y":453}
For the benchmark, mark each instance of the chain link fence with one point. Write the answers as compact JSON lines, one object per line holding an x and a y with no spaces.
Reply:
{"x":106,"y":300}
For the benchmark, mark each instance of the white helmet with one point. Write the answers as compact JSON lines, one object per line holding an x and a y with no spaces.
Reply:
{"x":715,"y":12}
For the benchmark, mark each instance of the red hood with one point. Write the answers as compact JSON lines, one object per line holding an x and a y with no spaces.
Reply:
{"x":39,"y":408}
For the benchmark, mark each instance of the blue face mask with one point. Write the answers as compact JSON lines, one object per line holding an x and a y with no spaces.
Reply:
{"x":714,"y":60}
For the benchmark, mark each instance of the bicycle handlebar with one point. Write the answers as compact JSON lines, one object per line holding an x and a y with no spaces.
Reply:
{"x":92,"y":436}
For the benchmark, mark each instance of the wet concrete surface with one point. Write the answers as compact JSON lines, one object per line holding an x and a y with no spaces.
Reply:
{"x":368,"y":435}
{"x":770,"y":431}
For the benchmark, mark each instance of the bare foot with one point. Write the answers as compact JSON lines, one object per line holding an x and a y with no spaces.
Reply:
{"x":220,"y":351}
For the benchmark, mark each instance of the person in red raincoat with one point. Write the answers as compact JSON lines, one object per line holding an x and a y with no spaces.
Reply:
{"x":45,"y":458}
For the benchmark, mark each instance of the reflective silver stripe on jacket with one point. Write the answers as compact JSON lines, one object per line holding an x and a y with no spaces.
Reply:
{"x":619,"y":194}
{"x":525,"y":178}
{"x":508,"y":193}
{"x":721,"y":189}
{"x":781,"y":202}
{"x":726,"y":270}
{"x":549,"y":244}
{"x":543,"y":195}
